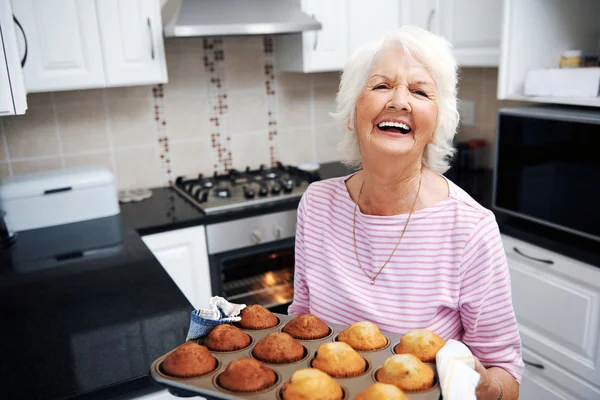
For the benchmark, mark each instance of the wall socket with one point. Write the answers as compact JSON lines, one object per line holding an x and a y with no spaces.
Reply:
{"x":466,"y":109}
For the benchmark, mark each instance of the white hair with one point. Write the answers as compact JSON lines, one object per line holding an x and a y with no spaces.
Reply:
{"x":435,"y":53}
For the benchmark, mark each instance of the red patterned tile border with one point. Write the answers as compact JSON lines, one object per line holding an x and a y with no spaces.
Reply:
{"x":161,"y":128}
{"x":269,"y":53}
{"x":214,"y":57}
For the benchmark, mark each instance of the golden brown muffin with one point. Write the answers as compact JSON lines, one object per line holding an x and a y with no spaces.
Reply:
{"x":339,"y":360}
{"x":307,"y":327}
{"x":247,"y":375}
{"x":227,"y":337}
{"x":406,"y":372}
{"x":420,"y":342}
{"x":363,"y":336}
{"x":381,"y":391}
{"x":310,"y":383}
{"x":278,"y":348}
{"x":189,"y":359}
{"x":257,"y":317}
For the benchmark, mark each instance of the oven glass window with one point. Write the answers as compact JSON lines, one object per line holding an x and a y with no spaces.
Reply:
{"x":549,"y":171}
{"x":266,"y":278}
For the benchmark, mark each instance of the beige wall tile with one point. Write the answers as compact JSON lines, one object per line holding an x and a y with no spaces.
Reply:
{"x":82,"y":127}
{"x":294,"y":146}
{"x":247,"y":111}
{"x":187,"y":119}
{"x":3,"y":148}
{"x":470,"y":74}
{"x":250,"y":150}
{"x":132,"y":122}
{"x":293,"y":109}
{"x":327,"y":138}
{"x":292,"y":80}
{"x":128,"y":93}
{"x":39,"y":100}
{"x":326,"y":79}
{"x":35,"y":165}
{"x":139,"y":168}
{"x":244,"y":67}
{"x":190,"y":158}
{"x":32,"y":134}
{"x":70,"y":97}
{"x":324,"y":104}
{"x":81,"y":160}
{"x":4,"y":170}
{"x":250,"y":42}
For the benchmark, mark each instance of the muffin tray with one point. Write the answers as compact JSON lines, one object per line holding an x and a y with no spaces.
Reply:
{"x":206,"y":385}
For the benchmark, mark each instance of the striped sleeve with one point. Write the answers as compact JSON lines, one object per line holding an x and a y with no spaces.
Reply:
{"x":486,"y":309}
{"x":301,"y":295}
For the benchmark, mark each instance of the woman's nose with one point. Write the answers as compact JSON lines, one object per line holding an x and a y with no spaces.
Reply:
{"x":399,"y":99}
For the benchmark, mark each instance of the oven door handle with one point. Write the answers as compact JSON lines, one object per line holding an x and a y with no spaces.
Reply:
{"x":540,"y":260}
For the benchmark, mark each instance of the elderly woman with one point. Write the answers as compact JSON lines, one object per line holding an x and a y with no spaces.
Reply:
{"x":397,"y":243}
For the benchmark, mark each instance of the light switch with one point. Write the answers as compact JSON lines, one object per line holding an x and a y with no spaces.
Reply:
{"x":466,"y":109}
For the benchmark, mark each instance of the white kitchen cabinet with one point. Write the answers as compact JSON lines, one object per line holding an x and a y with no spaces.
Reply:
{"x":132,"y":45}
{"x":557,"y":304}
{"x":535,"y":33}
{"x":183,"y":254}
{"x":317,"y":51}
{"x":12,"y":90}
{"x":368,"y":20}
{"x":474,"y":28}
{"x":82,"y":44}
{"x":63,"y":44}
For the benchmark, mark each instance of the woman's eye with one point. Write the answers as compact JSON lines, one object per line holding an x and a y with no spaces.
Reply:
{"x":382,"y":86}
{"x":421,"y":93}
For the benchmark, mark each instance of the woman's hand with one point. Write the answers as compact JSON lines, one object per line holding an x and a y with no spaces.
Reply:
{"x":488,"y":388}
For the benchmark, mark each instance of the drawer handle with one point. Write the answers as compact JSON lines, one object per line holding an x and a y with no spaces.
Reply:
{"x":24,"y":60}
{"x":532,"y":364}
{"x":149,"y":23}
{"x":519,"y":252}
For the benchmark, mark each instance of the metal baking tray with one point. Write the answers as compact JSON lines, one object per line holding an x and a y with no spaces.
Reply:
{"x":206,"y":385}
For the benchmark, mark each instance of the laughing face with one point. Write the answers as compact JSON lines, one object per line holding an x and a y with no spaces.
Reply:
{"x":397,"y":110}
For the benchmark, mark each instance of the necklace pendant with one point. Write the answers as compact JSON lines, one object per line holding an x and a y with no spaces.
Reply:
{"x":372,"y":281}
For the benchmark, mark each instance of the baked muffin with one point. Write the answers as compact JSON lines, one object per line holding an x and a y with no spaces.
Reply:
{"x":363,"y":336}
{"x":381,"y":391}
{"x":420,"y":342}
{"x":227,"y":337}
{"x":257,"y":317}
{"x":306,"y":327}
{"x":247,"y":375}
{"x":406,"y":372}
{"x":310,"y":383}
{"x":339,"y":360}
{"x":278,"y":348}
{"x":188,"y":360}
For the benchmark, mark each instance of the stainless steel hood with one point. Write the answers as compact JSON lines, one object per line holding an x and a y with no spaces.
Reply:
{"x":184,"y":18}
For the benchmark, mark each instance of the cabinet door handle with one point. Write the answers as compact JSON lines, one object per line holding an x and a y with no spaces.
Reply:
{"x":430,"y":19}
{"x":532,"y":364}
{"x":151,"y":38}
{"x":316,"y":41}
{"x":519,"y":252}
{"x":24,"y":38}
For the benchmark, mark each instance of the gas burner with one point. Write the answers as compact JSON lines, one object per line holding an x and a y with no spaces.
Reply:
{"x":239,"y":188}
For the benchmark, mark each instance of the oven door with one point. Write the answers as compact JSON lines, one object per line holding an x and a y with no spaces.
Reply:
{"x":262,"y":274}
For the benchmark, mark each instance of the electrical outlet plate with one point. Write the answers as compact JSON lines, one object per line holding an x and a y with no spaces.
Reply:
{"x":467,"y":112}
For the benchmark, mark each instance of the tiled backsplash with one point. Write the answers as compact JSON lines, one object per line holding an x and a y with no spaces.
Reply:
{"x":225,"y":106}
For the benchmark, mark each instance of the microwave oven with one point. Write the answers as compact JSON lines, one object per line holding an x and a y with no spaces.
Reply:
{"x":548,"y":167}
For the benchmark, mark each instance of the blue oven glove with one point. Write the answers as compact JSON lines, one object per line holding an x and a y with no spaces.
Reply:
{"x":221,"y":311}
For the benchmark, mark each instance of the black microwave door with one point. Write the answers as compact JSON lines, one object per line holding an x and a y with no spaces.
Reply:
{"x":548,"y":171}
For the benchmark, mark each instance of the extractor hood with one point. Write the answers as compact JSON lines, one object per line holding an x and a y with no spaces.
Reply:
{"x":184,"y":18}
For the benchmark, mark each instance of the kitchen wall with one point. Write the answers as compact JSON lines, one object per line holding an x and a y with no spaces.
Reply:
{"x":225,"y":106}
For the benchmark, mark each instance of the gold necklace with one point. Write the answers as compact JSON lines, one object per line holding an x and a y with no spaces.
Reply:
{"x":399,"y":240}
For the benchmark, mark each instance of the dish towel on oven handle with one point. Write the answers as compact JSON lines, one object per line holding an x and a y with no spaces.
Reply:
{"x":221,"y":311}
{"x":456,"y":371}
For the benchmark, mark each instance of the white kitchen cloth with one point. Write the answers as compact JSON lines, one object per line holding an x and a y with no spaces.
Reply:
{"x":221,"y":311}
{"x":456,"y":371}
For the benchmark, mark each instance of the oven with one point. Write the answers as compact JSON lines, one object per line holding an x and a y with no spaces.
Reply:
{"x":252,"y":259}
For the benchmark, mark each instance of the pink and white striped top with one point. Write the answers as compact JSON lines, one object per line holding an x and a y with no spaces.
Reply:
{"x":448,"y":275}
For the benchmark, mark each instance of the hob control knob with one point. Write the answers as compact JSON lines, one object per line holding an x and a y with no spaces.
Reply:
{"x":256,"y":237}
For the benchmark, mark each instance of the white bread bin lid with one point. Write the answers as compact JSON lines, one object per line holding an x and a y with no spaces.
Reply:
{"x":40,"y":183}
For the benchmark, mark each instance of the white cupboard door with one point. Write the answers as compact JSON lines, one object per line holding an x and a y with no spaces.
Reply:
{"x":63,"y":44}
{"x":12,"y":90}
{"x":183,"y":254}
{"x":419,"y":13}
{"x":557,"y":305}
{"x":369,"y":20}
{"x":326,"y":49}
{"x":474,"y":27}
{"x":132,"y":42}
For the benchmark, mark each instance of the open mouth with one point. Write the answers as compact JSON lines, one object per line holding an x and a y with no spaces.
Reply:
{"x":394,"y":127}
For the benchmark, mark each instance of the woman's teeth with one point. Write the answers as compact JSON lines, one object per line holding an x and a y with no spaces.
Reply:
{"x":397,"y":127}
